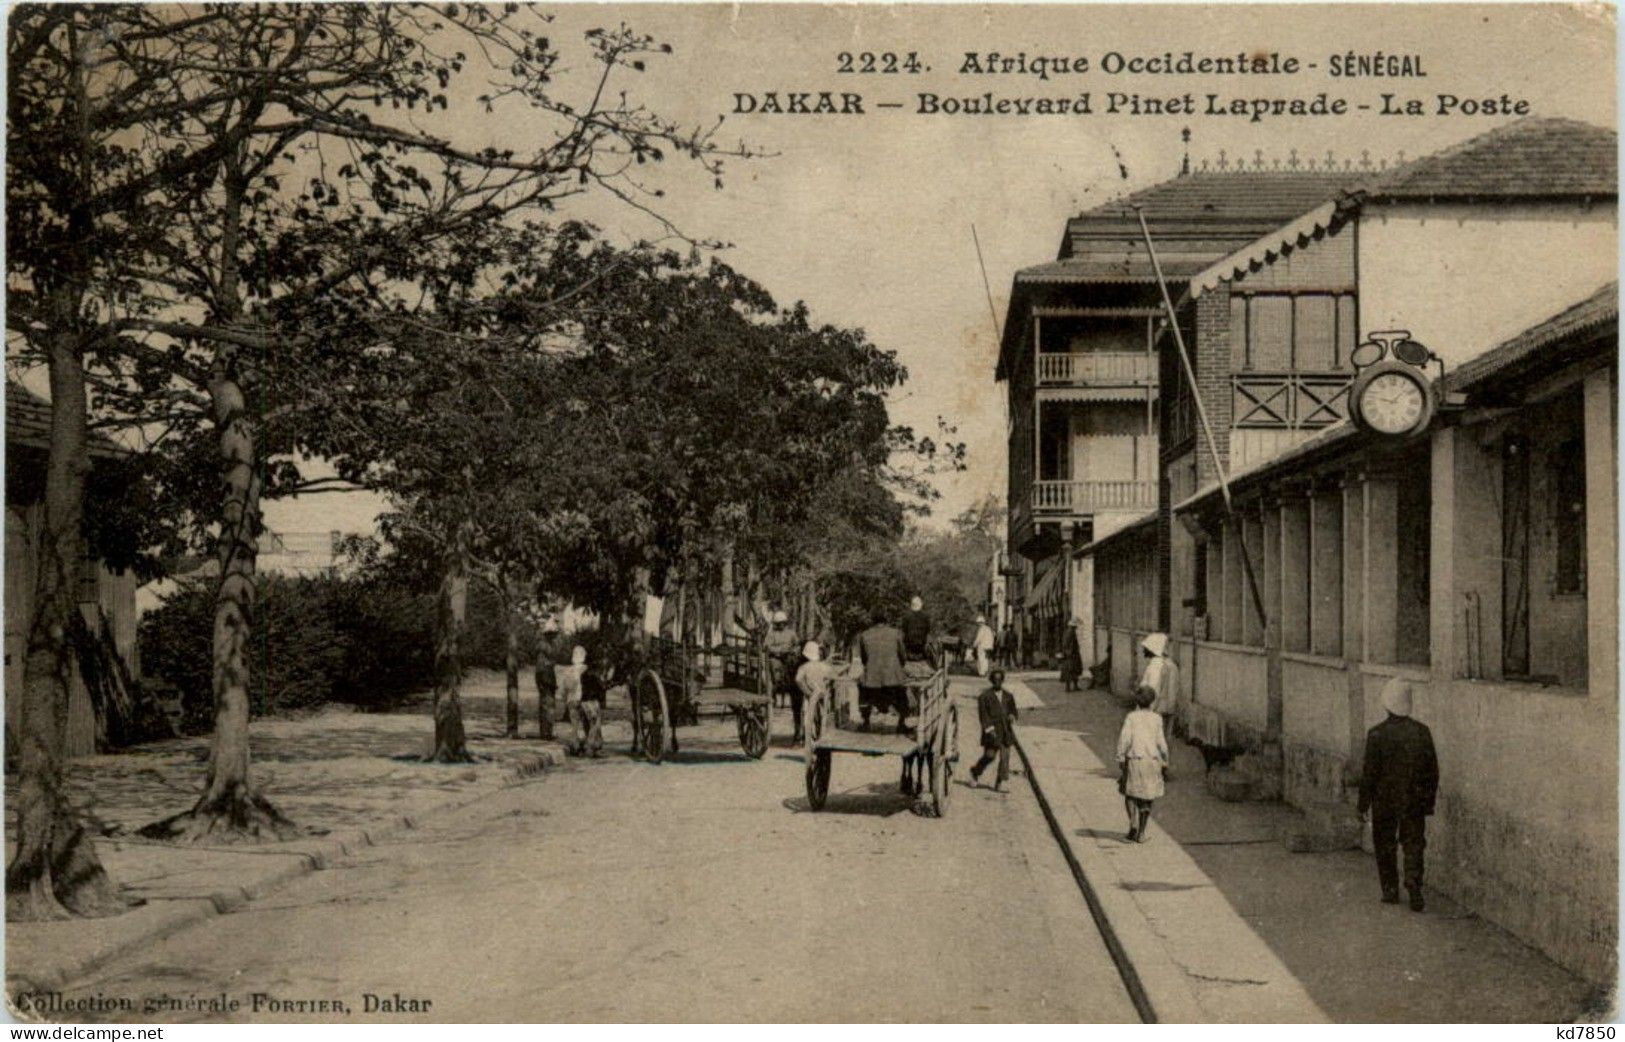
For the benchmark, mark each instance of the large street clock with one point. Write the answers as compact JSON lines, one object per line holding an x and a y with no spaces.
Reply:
{"x":1392,"y":394}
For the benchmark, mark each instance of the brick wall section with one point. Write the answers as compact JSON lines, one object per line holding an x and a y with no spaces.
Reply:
{"x":1212,"y":364}
{"x":1164,"y":552}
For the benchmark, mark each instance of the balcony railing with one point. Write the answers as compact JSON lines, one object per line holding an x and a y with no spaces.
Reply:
{"x":1291,"y":400}
{"x":1083,"y":497}
{"x":1113,"y":368}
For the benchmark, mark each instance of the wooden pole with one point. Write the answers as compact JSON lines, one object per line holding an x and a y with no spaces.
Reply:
{"x":1201,"y":415}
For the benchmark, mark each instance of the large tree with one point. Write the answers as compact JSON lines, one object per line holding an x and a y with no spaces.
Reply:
{"x":75,"y":229}
{"x":220,"y":179}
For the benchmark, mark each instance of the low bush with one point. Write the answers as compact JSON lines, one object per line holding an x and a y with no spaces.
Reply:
{"x":314,"y":640}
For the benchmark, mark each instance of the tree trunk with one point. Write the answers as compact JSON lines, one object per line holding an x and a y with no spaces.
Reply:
{"x":730,"y":601}
{"x":231,"y":808}
{"x":450,"y":740}
{"x":510,"y":620}
{"x":681,"y":614}
{"x":55,"y":872}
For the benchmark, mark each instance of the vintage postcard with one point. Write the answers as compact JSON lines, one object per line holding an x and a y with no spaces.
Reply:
{"x":811,"y":513}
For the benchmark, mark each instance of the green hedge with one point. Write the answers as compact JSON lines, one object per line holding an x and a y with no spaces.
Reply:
{"x":314,"y":640}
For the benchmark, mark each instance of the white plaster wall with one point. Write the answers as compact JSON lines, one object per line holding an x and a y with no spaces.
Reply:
{"x":1526,"y":831}
{"x":1232,"y":680}
{"x":1314,"y":705}
{"x":1125,"y":659}
{"x":1466,"y":277}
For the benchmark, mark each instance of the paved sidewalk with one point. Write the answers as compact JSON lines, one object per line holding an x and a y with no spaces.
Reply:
{"x":1222,"y":922}
{"x":969,"y":687}
{"x":1195,"y":959}
{"x":346,"y":779}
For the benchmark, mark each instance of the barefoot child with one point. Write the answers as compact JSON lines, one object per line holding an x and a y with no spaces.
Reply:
{"x":996,"y":709}
{"x":1142,"y":752}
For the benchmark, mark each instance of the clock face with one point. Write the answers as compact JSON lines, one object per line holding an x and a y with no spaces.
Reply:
{"x":1392,"y":403}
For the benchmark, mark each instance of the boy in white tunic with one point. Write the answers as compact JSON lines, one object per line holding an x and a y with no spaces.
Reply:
{"x":1142,"y":753}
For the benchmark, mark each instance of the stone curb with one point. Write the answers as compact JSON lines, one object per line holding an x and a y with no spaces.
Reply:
{"x":170,"y":915}
{"x":1157,"y":987}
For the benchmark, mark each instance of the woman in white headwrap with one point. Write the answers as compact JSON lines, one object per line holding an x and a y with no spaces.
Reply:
{"x":1162,"y":677}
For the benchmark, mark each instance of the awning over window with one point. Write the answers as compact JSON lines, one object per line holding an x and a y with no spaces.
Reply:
{"x":1046,"y":592}
{"x":1091,"y":394}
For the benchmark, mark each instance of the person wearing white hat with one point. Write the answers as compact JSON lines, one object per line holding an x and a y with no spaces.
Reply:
{"x":1398,"y":787}
{"x":812,"y":683}
{"x":1161,"y":675}
{"x":982,"y":645}
{"x":570,"y":688}
{"x":784,"y":657}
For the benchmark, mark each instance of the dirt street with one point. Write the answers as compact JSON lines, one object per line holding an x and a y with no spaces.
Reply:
{"x":699,"y":890}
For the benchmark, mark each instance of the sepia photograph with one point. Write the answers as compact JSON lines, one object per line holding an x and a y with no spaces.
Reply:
{"x":787,"y":513}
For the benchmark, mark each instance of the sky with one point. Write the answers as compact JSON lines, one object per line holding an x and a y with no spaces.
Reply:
{"x":868,"y":218}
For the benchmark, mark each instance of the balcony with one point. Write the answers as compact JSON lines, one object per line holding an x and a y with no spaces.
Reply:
{"x":1067,"y":498}
{"x":1097,"y":369}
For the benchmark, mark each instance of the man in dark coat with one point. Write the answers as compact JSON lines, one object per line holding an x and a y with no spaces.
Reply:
{"x":996,"y":713}
{"x":885,"y":681}
{"x":916,"y":632}
{"x":1399,"y":787}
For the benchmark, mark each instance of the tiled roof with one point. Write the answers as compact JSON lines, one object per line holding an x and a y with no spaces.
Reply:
{"x":28,"y":422}
{"x":28,"y":417}
{"x":1138,"y":524}
{"x":1127,"y":267}
{"x":1596,"y":313}
{"x":1531,"y":158}
{"x":1237,"y":196}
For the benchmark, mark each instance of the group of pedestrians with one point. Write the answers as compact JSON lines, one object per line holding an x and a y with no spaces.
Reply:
{"x":1399,"y":780}
{"x":566,"y":680}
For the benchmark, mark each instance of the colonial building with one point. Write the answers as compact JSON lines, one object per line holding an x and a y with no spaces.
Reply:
{"x":1477,"y":558}
{"x":1083,"y":376}
{"x":106,"y":598}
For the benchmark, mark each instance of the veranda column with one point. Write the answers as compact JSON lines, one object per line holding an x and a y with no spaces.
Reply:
{"x":1380,"y":588}
{"x":1353,"y":493}
{"x":1083,"y":608}
{"x":1326,"y":571}
{"x":1295,"y":610}
{"x":1602,"y":535}
{"x":1269,"y":521}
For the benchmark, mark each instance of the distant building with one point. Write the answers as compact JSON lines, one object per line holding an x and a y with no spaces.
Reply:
{"x":1085,"y":378}
{"x":292,"y":554}
{"x":106,"y":598}
{"x":302,"y":553}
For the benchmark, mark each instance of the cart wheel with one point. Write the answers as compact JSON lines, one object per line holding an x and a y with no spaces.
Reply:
{"x":813,"y":729}
{"x":953,"y":736}
{"x":634,"y":703}
{"x":818,"y":768}
{"x":753,"y":733}
{"x":651,"y":721}
{"x":940,"y":785}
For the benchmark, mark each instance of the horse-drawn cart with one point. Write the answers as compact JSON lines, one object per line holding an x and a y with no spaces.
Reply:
{"x":681,"y":683}
{"x":930,"y":747}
